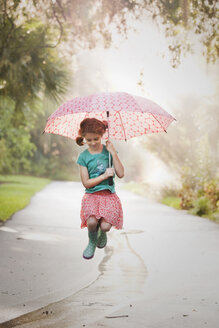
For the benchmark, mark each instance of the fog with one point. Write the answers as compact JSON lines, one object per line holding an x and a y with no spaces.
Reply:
{"x":141,"y":65}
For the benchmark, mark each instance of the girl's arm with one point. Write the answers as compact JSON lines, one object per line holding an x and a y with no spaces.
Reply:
{"x":119,"y":169}
{"x":89,"y":183}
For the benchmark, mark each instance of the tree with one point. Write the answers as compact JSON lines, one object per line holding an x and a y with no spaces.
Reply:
{"x":83,"y":23}
{"x":15,"y":145}
{"x":189,"y":21}
{"x":28,"y":71}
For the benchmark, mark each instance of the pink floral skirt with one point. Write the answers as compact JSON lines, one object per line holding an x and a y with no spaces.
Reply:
{"x":102,"y":204}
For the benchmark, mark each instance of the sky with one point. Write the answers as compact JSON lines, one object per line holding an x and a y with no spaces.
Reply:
{"x":144,"y":57}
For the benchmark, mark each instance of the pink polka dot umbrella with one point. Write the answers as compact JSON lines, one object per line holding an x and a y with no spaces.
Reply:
{"x":128,"y":116}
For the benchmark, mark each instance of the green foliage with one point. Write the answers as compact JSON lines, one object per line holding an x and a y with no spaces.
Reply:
{"x":27,"y":150}
{"x":55,"y":167}
{"x":16,"y":192}
{"x":54,"y":154}
{"x":172,"y":201}
{"x":137,"y":188}
{"x":83,"y":24}
{"x":30,"y":70}
{"x":169,"y":191}
{"x":211,"y":190}
{"x":186,"y":21}
{"x":201,"y":206}
{"x":186,"y":197}
{"x":201,"y":199}
{"x":16,"y":147}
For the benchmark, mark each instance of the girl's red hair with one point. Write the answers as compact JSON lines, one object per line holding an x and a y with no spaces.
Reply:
{"x":90,"y":125}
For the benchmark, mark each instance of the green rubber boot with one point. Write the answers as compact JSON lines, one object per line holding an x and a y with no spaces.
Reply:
{"x":101,"y":239}
{"x":90,"y":249}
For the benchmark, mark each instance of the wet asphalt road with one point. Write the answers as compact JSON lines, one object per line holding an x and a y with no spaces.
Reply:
{"x":161,"y":270}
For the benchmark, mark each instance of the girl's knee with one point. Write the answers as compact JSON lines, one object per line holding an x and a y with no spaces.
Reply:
{"x":105,"y":226}
{"x":92,"y":223}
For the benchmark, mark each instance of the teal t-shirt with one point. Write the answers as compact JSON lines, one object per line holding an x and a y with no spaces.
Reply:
{"x":96,"y":165}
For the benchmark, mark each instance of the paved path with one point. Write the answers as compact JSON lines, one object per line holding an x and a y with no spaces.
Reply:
{"x":161,"y":271}
{"x":41,"y":251}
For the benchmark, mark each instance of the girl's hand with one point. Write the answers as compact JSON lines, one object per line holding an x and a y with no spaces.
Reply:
{"x":109,"y":172}
{"x":110,"y":147}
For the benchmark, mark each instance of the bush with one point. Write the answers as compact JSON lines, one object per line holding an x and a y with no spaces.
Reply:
{"x":211,"y":190}
{"x":186,"y":195}
{"x":201,"y":198}
{"x":201,"y":206}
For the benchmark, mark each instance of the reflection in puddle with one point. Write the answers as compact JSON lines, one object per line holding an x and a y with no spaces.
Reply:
{"x":132,"y":232}
{"x":6,"y":229}
{"x":40,"y":236}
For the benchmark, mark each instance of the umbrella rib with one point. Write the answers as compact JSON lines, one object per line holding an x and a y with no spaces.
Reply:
{"x":122,"y":125}
{"x":159,"y":122}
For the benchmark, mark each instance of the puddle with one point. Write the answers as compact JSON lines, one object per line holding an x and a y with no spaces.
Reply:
{"x":132,"y":232}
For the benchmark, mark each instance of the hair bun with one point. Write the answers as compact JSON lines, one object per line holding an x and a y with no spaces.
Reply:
{"x":80,"y":140}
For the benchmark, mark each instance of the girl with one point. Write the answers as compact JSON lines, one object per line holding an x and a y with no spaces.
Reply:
{"x":101,"y":207}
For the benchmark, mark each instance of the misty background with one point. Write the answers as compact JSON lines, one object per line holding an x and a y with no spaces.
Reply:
{"x":54,"y":51}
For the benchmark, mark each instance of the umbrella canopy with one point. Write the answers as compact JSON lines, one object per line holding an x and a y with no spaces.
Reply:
{"x":128,"y":115}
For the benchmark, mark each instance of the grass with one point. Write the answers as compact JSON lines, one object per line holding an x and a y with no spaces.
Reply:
{"x":136,"y":188}
{"x":16,"y":192}
{"x":172,"y":201}
{"x":212,"y":216}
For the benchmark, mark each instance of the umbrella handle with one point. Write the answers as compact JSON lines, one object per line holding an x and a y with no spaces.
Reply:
{"x":110,"y":181}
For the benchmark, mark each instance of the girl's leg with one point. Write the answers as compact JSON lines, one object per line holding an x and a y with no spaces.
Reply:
{"x":105,"y":226}
{"x":92,"y":235}
{"x":102,"y":237}
{"x":92,"y":223}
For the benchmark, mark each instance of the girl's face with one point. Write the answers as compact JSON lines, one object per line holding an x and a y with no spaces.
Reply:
{"x":93,"y":141}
